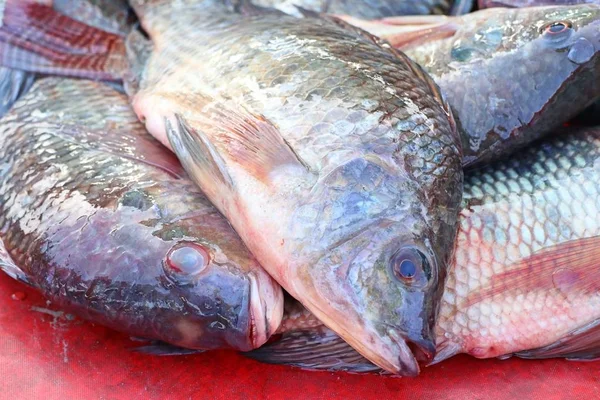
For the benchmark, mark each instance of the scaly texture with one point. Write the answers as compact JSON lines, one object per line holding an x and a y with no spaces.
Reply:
{"x":101,"y":219}
{"x":332,"y":155}
{"x":522,"y":277}
{"x":509,"y":75}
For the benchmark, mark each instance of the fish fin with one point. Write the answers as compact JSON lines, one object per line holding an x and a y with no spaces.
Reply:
{"x":582,"y":344}
{"x":158,"y":348}
{"x":197,"y":153}
{"x":250,"y":140}
{"x":35,"y":38}
{"x":569,"y":267}
{"x":445,"y":350}
{"x":315,"y":349}
{"x":8,"y":265}
{"x":138,"y":49}
{"x":13,"y":84}
{"x":409,"y":31}
{"x":461,"y":7}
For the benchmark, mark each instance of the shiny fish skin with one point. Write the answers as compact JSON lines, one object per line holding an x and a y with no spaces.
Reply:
{"x":92,"y":210}
{"x":498,"y":300}
{"x":357,"y":160}
{"x":507,"y":79}
{"x":367,"y":9}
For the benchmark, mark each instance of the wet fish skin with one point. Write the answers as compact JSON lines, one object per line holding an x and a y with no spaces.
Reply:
{"x":358,"y":161}
{"x":524,"y":280}
{"x":104,"y":222}
{"x":109,"y":15}
{"x":367,"y":9}
{"x":507,"y":77}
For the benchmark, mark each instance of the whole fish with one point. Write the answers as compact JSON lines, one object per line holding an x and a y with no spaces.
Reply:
{"x":332,"y":155}
{"x":509,"y":75}
{"x":371,"y":9}
{"x":525,"y":279}
{"x":101,"y":219}
{"x":531,"y":3}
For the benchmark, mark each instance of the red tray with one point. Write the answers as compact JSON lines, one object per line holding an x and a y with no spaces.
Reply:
{"x":43,"y":356}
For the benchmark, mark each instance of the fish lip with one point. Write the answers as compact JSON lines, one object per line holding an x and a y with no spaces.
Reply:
{"x":257,"y":317}
{"x":408,"y":363}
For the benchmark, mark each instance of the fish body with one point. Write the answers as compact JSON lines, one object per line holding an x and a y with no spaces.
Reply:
{"x":102,"y":220}
{"x":333,"y":157}
{"x":524,"y":279}
{"x":13,"y":83}
{"x":509,"y":75}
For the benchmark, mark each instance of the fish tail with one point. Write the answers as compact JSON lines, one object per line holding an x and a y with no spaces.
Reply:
{"x":36,"y":38}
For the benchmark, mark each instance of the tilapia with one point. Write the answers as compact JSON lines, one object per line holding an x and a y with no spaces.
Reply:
{"x":102,"y":219}
{"x":333,"y":155}
{"x":370,"y":9}
{"x":525,"y":278}
{"x":509,"y":75}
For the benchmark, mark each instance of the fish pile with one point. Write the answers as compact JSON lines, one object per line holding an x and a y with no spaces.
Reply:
{"x":359,"y":185}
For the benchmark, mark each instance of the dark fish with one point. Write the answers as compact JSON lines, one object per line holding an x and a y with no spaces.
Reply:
{"x":101,"y":219}
{"x":509,"y":75}
{"x":525,"y":278}
{"x":371,"y":9}
{"x":332,"y":155}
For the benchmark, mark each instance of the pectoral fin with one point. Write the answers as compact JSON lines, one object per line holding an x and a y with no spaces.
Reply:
{"x":582,"y":344}
{"x":314,"y":349}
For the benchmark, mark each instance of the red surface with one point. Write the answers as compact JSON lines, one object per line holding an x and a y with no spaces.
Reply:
{"x":46,"y":357}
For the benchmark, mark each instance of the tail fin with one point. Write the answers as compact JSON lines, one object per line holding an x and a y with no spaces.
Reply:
{"x":35,"y":38}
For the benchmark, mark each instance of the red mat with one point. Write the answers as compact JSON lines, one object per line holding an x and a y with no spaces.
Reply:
{"x":46,"y":356}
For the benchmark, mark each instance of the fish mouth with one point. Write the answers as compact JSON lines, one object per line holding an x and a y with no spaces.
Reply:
{"x":265,"y":311}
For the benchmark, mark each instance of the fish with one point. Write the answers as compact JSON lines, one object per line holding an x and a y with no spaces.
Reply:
{"x":509,"y":75}
{"x":531,"y":3}
{"x":525,"y":278}
{"x":109,"y":15}
{"x":104,"y":222}
{"x":333,"y":155}
{"x":370,"y":9}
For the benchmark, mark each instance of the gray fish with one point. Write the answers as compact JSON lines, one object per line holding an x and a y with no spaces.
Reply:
{"x":102,"y":220}
{"x":13,"y":84}
{"x":525,"y":278}
{"x":509,"y":75}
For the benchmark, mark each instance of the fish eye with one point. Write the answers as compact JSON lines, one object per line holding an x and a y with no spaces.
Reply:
{"x":186,"y":260}
{"x":410,"y":266}
{"x":556,"y":28}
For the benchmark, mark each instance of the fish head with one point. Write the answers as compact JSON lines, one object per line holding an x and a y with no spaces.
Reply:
{"x":228,"y":297}
{"x":386,"y":265}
